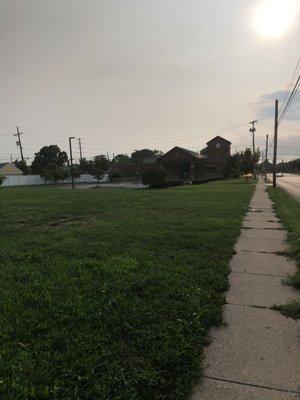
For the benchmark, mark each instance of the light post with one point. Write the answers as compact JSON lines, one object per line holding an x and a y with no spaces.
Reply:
{"x":71,"y":159}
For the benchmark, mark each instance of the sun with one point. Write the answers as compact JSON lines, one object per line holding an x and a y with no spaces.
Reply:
{"x":273,"y":18}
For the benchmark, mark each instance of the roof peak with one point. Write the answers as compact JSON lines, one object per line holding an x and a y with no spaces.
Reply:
{"x":218,"y":137}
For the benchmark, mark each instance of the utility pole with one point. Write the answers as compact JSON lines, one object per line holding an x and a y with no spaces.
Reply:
{"x":71,"y":159}
{"x":252,"y":130}
{"x":80,"y":150}
{"x":275,"y":143}
{"x":266,"y":155}
{"x":19,"y":143}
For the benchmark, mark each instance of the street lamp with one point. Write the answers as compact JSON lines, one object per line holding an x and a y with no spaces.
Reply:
{"x":71,"y":159}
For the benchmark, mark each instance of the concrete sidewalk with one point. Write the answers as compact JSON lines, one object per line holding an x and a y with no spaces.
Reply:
{"x":256,"y":356}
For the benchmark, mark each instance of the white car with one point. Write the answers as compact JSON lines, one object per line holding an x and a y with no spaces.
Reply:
{"x":279,"y":174}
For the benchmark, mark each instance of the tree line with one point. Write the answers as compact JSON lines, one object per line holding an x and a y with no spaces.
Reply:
{"x":53,"y":164}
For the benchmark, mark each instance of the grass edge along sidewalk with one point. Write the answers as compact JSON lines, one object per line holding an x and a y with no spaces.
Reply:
{"x":288,"y":210}
{"x":110,"y":294}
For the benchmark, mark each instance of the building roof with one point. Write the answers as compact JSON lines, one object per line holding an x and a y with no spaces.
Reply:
{"x":11,"y":167}
{"x":190,"y":152}
{"x":218,"y":138}
{"x":149,"y":160}
{"x":2,"y":165}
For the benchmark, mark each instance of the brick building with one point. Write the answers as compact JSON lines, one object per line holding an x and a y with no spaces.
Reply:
{"x":183,"y":164}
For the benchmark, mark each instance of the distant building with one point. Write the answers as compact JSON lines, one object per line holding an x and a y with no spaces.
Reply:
{"x":183,"y":164}
{"x":9,"y":169}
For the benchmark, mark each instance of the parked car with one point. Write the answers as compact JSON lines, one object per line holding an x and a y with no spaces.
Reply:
{"x":279,"y":174}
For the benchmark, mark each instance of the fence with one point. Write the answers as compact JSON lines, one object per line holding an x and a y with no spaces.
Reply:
{"x":26,"y":180}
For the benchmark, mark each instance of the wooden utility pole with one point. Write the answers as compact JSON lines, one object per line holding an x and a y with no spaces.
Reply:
{"x":71,"y":160}
{"x":80,"y":150}
{"x":275,"y":143}
{"x":266,"y":155}
{"x":19,"y":143}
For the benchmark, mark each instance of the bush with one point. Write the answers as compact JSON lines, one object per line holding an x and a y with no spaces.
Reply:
{"x":2,"y":179}
{"x":116,"y":176}
{"x":155,"y":178}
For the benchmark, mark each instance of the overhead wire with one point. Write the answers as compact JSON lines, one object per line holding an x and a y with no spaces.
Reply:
{"x":290,"y":83}
{"x":290,"y":100}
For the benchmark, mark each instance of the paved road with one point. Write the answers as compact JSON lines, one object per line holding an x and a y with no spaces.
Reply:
{"x":290,"y":183}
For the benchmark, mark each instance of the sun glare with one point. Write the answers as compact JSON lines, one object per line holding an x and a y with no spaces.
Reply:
{"x":273,"y":18}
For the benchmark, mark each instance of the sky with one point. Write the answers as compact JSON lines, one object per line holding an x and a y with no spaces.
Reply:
{"x":132,"y":74}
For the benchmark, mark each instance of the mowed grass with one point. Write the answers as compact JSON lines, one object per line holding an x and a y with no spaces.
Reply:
{"x":288,"y":210}
{"x":109,"y":294}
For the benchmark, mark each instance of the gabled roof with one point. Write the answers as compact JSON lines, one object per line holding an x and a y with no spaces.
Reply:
{"x":219,"y":138}
{"x":189,"y":152}
{"x":8,"y":164}
{"x":2,"y":165}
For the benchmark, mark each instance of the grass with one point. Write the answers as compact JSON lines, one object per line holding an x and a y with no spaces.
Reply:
{"x":290,"y":309}
{"x":109,"y":294}
{"x":288,"y":210}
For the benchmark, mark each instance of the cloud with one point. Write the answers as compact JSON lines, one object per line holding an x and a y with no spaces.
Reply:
{"x":265,"y":106}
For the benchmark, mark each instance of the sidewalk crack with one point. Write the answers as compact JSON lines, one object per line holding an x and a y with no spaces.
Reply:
{"x":251,"y":384}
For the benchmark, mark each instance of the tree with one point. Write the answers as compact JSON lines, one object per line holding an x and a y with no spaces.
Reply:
{"x":49,"y":157}
{"x":47,"y":174}
{"x":120,"y":159}
{"x":22,"y":165}
{"x":86,"y":166}
{"x":155,"y":178}
{"x":60,"y":173}
{"x":100,"y":165}
{"x":233,"y":166}
{"x":139,"y":155}
{"x":75,"y":172}
{"x":248,"y":161}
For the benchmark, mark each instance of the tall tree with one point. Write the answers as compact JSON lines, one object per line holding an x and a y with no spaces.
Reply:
{"x":22,"y":165}
{"x":100,"y":165}
{"x":120,"y":159}
{"x":233,"y":166}
{"x":86,"y":166}
{"x":248,"y":160}
{"x":139,"y":155}
{"x":49,"y":157}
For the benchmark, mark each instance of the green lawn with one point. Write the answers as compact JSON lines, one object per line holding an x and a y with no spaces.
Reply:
{"x":109,"y":294}
{"x":288,"y":210}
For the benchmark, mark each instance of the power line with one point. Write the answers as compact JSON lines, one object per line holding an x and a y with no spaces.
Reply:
{"x":225,"y":129}
{"x":290,"y":84}
{"x":291,"y":98}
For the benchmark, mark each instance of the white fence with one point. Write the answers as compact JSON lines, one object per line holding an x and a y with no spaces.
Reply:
{"x":26,"y":180}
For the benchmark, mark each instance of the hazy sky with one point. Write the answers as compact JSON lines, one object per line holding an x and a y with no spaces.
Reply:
{"x":130,"y":74}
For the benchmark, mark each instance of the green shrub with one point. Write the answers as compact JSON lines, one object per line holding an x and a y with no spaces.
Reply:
{"x":155,"y":178}
{"x":2,"y":179}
